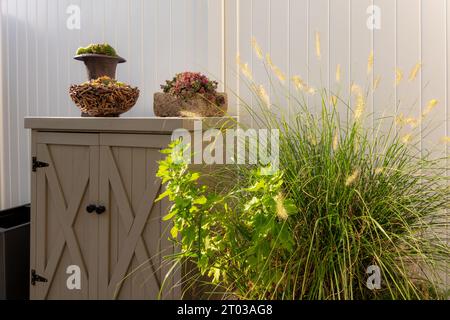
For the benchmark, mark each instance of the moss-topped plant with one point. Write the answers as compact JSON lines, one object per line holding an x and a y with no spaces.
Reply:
{"x":104,"y":49}
{"x":105,"y":81}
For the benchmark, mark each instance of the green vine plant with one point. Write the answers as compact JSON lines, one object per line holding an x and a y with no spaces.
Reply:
{"x":210,"y":233}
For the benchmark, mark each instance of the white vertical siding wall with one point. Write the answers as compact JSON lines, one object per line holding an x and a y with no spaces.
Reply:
{"x":158,"y":38}
{"x":412,"y":31}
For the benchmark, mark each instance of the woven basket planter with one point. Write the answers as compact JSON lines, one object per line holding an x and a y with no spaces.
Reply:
{"x":168,"y":105}
{"x":103,"y":100}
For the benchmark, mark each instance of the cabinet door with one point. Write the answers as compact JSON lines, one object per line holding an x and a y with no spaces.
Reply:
{"x":133,"y":239}
{"x":65,"y":235}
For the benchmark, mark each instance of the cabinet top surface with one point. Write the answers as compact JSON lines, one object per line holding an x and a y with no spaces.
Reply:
{"x":129,"y":125}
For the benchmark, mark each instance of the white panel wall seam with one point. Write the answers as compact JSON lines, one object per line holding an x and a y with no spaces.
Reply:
{"x":7,"y":119}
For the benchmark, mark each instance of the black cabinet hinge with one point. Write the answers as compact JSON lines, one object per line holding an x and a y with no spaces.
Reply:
{"x":38,"y":164}
{"x":36,"y":278}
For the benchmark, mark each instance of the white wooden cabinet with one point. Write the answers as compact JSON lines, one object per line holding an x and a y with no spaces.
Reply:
{"x":93,"y":191}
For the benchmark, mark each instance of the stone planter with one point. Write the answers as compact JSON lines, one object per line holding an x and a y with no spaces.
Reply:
{"x":99,"y":65}
{"x":168,"y":105}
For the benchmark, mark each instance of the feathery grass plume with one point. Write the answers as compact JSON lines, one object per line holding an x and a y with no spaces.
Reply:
{"x":335,"y":141}
{"x":430,"y":107}
{"x":269,"y":60}
{"x":281,"y":209}
{"x":412,"y":122}
{"x":376,"y":82}
{"x":360,"y":106}
{"x":334,"y":100}
{"x":338,"y":73}
{"x":311,"y":90}
{"x":400,"y":120}
{"x":352,"y":178}
{"x":257,"y":49}
{"x":280,"y":75}
{"x":246,"y":71}
{"x":415,"y":72}
{"x":277,"y":71}
{"x":370,"y":62}
{"x":445,"y":139}
{"x":312,"y":139}
{"x":299,"y":83}
{"x":360,"y":101}
{"x":318,"y":46}
{"x":244,"y":68}
{"x":238,"y":60}
{"x":398,"y":76}
{"x":406,"y":139}
{"x":355,"y":89}
{"x":262,"y":93}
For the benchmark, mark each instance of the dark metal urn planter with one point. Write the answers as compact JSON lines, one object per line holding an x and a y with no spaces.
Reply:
{"x":99,"y":65}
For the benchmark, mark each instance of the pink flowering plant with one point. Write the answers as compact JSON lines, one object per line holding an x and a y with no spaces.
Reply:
{"x":188,"y":85}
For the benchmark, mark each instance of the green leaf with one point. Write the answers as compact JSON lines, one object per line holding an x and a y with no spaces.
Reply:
{"x":203,"y":263}
{"x":257,"y":187}
{"x":174,"y":232}
{"x":170,"y":215}
{"x":193,"y":209}
{"x":201,"y":200}
{"x":253,"y":203}
{"x":166,"y":151}
{"x":290,"y":207}
{"x":182,"y":202}
{"x":195,"y":176}
{"x":163,"y":195}
{"x":216,"y":275}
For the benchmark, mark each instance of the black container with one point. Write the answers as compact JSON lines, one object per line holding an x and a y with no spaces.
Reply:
{"x":15,"y":253}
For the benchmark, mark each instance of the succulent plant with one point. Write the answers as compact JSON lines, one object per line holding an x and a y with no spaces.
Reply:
{"x":187,"y":85}
{"x":105,"y":49}
{"x":105,"y":81}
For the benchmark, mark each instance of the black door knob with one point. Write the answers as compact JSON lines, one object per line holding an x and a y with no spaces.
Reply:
{"x":100,"y":209}
{"x":91,"y":208}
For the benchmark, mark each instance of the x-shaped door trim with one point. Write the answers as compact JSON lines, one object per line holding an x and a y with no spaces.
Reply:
{"x":66,"y":236}
{"x":134,"y":225}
